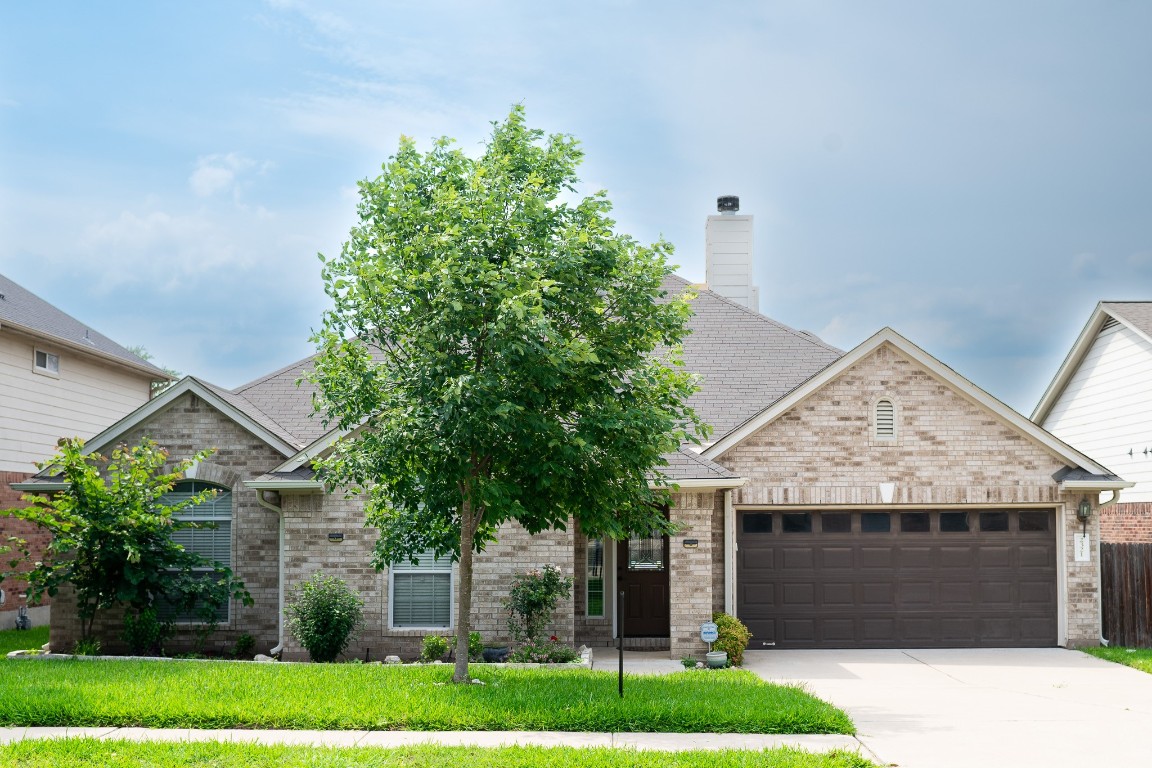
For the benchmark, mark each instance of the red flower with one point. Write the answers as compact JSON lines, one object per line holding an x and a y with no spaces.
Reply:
{"x":554,"y":638}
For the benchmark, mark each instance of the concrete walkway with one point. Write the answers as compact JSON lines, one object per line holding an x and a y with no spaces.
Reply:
{"x":962,"y":708}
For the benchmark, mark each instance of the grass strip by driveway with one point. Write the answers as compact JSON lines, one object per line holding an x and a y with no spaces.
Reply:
{"x":189,"y":694}
{"x":125,"y":754}
{"x":22,"y":639}
{"x":1139,"y":658}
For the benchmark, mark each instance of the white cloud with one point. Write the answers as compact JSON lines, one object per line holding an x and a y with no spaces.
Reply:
{"x":217,"y":173}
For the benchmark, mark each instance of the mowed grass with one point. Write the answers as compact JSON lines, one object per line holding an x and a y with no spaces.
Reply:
{"x":217,"y":694}
{"x":22,"y":640}
{"x":1140,"y":658}
{"x":123,"y":754}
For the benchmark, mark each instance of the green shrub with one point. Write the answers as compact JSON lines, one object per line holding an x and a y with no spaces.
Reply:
{"x":435,"y":648}
{"x":144,"y":632}
{"x":475,"y":647}
{"x":245,"y":644}
{"x":549,"y":652}
{"x":323,"y":615}
{"x":532,"y":601}
{"x":733,"y":637}
{"x":87,"y":647}
{"x":688,"y":662}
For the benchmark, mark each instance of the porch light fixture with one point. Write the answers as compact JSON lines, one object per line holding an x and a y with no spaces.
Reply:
{"x":1083,"y":513}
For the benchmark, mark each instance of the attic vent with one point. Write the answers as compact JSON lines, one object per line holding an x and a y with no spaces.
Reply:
{"x":1109,"y":324}
{"x":885,"y":418}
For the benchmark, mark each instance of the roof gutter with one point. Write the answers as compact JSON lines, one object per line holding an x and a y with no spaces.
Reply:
{"x":702,"y":483}
{"x":1096,"y":485}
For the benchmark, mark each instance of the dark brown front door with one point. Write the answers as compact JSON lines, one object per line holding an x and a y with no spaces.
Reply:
{"x":642,"y":571}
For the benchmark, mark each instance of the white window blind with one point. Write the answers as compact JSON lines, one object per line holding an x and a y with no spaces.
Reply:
{"x":422,"y":592}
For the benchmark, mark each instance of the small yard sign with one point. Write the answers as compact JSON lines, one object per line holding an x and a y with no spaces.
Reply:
{"x":709,"y":632}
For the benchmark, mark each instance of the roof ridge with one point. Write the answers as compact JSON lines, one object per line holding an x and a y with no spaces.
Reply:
{"x":295,"y":439}
{"x":279,"y":371}
{"x":760,"y":315}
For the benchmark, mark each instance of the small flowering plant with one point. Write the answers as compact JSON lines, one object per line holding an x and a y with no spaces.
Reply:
{"x":531,"y":603}
{"x":550,"y":652}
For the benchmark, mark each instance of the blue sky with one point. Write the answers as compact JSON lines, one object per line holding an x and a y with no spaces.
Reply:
{"x":976,"y":175}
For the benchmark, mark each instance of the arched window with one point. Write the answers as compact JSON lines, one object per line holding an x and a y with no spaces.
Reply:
{"x":211,"y":539}
{"x":885,"y":419}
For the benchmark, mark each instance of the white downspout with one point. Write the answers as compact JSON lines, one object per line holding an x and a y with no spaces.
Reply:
{"x":279,"y":510}
{"x":729,"y":554}
{"x":1099,"y":564}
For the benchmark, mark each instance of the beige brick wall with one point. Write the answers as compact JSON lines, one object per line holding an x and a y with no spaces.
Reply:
{"x":186,"y":426}
{"x":691,"y":572}
{"x":1127,"y":523}
{"x":947,"y":450}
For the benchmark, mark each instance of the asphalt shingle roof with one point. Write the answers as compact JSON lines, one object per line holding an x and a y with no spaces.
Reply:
{"x":20,"y":307}
{"x":1136,"y":313}
{"x":686,"y":464}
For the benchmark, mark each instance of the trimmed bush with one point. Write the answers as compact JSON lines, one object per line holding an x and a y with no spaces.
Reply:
{"x":323,"y":615}
{"x":434,"y":648}
{"x":733,"y":637}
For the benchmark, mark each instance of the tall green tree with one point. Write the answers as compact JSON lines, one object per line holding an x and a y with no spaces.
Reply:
{"x":112,"y":536}
{"x":497,"y":352}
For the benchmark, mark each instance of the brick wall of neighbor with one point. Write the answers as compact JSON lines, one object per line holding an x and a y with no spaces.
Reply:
{"x":35,"y":536}
{"x":690,"y":572}
{"x":186,"y":426}
{"x":1127,"y":523}
{"x":948,"y":450}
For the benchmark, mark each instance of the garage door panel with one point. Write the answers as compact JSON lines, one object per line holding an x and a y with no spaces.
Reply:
{"x":839,"y":595}
{"x":953,"y":588}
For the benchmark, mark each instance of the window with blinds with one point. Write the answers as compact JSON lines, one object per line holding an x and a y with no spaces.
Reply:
{"x":421,"y":593}
{"x":211,"y":539}
{"x":885,"y":419}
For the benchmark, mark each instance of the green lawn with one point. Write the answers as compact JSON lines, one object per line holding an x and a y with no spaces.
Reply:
{"x":122,"y":754}
{"x":218,"y":694}
{"x":13,"y":640}
{"x":1140,"y":658}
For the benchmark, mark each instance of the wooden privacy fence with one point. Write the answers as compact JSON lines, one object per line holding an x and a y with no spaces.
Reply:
{"x":1126,"y":593}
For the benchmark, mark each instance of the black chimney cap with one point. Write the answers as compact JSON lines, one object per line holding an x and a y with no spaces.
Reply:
{"x":728,"y":203}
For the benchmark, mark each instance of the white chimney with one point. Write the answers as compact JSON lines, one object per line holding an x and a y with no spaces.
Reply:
{"x":728,"y":254}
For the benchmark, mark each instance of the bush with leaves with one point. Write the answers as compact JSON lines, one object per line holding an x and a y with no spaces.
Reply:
{"x":732,"y":637}
{"x":112,"y":535}
{"x":550,"y":651}
{"x":434,"y":648}
{"x":145,"y":633}
{"x":323,"y":615}
{"x":532,"y":601}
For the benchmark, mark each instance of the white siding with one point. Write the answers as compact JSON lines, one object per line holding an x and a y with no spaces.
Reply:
{"x":36,"y":410}
{"x":1106,"y":409}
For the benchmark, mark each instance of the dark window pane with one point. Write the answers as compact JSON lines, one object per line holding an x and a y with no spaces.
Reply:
{"x":915,"y":522}
{"x":953,"y":522}
{"x":1032,"y":522}
{"x":993,"y":521}
{"x":836,"y":522}
{"x":797,"y":522}
{"x":757,"y":522}
{"x":875,"y":522}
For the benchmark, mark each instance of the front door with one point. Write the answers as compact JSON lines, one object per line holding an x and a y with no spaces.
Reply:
{"x":642,"y":572}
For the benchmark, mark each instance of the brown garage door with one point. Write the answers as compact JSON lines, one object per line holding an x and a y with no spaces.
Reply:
{"x":912,"y":579}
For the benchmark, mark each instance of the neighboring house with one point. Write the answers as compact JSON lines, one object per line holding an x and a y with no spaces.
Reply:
{"x":1101,"y":401}
{"x":873,"y":498}
{"x":58,"y":378}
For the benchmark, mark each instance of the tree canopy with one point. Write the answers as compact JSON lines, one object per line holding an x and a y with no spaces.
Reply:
{"x":496,"y":352}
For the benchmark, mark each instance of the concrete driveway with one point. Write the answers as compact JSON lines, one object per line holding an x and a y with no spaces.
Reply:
{"x":974,"y":708}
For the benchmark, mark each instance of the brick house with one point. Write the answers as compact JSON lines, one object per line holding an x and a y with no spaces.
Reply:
{"x":873,"y":498}
{"x":1099,"y":400}
{"x":58,"y":378}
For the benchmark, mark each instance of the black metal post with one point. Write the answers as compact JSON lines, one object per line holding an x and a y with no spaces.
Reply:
{"x":620,"y":637}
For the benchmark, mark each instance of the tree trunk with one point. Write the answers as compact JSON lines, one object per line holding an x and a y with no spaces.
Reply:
{"x":464,"y":595}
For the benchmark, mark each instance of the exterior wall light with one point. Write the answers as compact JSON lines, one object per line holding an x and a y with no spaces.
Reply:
{"x":1083,"y":513}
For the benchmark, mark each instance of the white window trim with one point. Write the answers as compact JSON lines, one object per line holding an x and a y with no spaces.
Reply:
{"x":48,"y":357}
{"x":417,"y":569}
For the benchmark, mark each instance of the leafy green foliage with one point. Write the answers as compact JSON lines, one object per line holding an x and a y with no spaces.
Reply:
{"x":550,"y":651}
{"x":433,"y":648}
{"x":732,"y":637}
{"x":244,"y":646}
{"x":393,"y":697}
{"x":50,"y":753}
{"x":498,"y":353}
{"x":144,"y":633}
{"x":323,"y":614}
{"x":532,"y":600}
{"x":111,"y":536}
{"x":475,"y":647}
